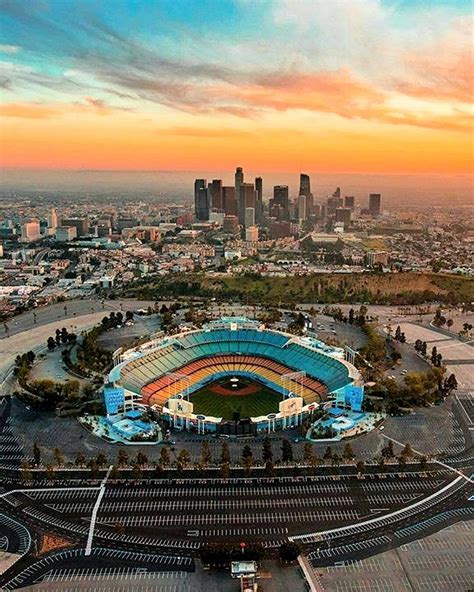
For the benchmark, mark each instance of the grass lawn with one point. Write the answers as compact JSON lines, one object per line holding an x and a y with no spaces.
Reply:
{"x":260,"y":403}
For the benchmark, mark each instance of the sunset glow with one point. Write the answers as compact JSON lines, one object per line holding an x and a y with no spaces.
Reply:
{"x":346,"y":85}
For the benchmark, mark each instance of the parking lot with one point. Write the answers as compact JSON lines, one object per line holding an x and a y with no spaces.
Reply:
{"x":441,"y":562}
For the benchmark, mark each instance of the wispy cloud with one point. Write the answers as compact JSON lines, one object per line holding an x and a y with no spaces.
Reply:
{"x":11,"y":49}
{"x":340,"y":57}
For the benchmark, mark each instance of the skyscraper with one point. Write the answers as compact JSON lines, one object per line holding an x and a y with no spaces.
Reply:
{"x":305,"y":189}
{"x":344,"y":215}
{"x":249,"y":217}
{"x":201,"y":199}
{"x":259,"y":199}
{"x":374,"y":203}
{"x":215,"y":195}
{"x":228,"y":200}
{"x":239,"y":179}
{"x":349,"y":201}
{"x":53,"y":219}
{"x":246,"y":199}
{"x":280,"y":198}
{"x":302,"y":203}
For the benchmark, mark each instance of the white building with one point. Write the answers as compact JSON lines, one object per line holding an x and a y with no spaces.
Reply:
{"x":30,"y":231}
{"x":251,"y":234}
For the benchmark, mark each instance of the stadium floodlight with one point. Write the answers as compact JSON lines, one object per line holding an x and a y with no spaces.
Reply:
{"x":293,"y":383}
{"x":178,"y":384}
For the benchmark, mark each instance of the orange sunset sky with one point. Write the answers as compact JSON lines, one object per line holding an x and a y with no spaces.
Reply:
{"x":337,"y":86}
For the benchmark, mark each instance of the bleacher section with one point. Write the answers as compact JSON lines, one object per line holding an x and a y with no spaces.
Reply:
{"x":206,"y":370}
{"x":204,"y":355}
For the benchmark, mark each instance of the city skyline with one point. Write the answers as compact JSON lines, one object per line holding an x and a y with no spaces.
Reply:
{"x":374,"y":87}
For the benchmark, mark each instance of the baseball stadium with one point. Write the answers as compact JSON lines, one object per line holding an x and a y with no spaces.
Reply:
{"x":233,"y":376}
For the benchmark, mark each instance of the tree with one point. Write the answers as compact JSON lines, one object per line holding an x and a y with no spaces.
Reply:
{"x":137,"y":472}
{"x":114,"y":473}
{"x":206,"y":456}
{"x":269,"y":468}
{"x":58,"y":456}
{"x":119,"y":527}
{"x":101,"y":460}
{"x":122,"y":457}
{"x":328,"y":453}
{"x":64,"y":335}
{"x":141,"y":459}
{"x":36,"y":455}
{"x":51,"y":343}
{"x":387,"y":451}
{"x":423,"y":463}
{"x":247,"y":459}
{"x":286,"y":451}
{"x":348,"y":453}
{"x":360,"y":466}
{"x":267,"y":452}
{"x":450,"y":384}
{"x":225,"y":470}
{"x":434,"y":355}
{"x":351,"y":317}
{"x":225,"y":453}
{"x":402,"y":463}
{"x":289,"y":551}
{"x":80,"y":459}
{"x":129,"y":315}
{"x":49,"y":472}
{"x":164,"y":457}
{"x":184,"y":458}
{"x":308,"y":453}
{"x":407,"y":451}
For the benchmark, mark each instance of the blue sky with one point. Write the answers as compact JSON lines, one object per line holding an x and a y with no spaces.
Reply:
{"x":329,"y":67}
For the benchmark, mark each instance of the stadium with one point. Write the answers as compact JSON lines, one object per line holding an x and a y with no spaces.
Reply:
{"x":233,"y":376}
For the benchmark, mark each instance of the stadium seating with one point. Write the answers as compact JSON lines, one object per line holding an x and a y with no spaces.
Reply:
{"x":203,"y":355}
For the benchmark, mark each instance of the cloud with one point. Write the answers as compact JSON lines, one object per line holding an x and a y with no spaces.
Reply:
{"x":344,"y":57}
{"x":11,"y":49}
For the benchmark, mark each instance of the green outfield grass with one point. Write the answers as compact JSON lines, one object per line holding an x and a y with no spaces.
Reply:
{"x":259,"y":403}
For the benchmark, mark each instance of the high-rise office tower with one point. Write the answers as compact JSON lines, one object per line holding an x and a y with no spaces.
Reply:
{"x":30,"y":231}
{"x":259,"y":199}
{"x":239,"y":179}
{"x":201,"y":199}
{"x":53,"y":219}
{"x":280,"y":198}
{"x":305,"y":185}
{"x":215,"y":195}
{"x":228,"y":200}
{"x":344,"y":215}
{"x":305,"y":189}
{"x":80,"y":224}
{"x":302,"y":205}
{"x":374,"y":203}
{"x":349,"y":201}
{"x":246,"y":199}
{"x":249,"y":219}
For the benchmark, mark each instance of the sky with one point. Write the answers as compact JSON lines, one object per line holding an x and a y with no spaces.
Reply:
{"x":349,"y":86}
